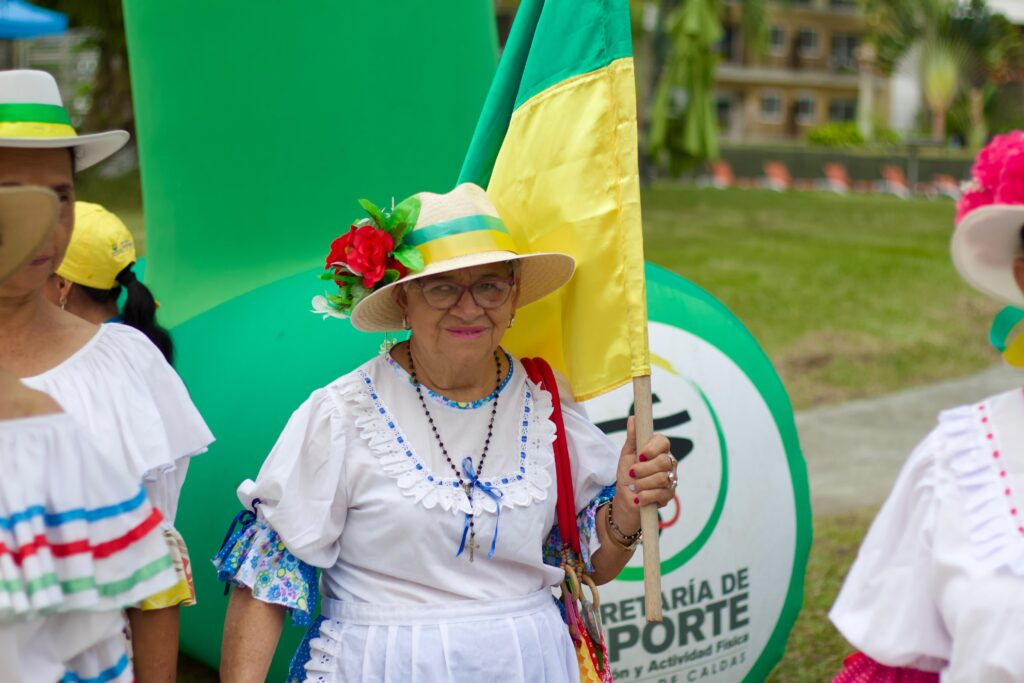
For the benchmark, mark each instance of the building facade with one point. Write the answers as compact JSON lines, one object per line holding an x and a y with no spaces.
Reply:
{"x":809,"y":73}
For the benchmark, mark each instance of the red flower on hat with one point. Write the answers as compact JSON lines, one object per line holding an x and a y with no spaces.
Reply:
{"x":363,"y":250}
{"x":339,"y":249}
{"x":370,"y":255}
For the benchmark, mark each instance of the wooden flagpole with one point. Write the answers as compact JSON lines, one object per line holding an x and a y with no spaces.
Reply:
{"x":643,"y":410}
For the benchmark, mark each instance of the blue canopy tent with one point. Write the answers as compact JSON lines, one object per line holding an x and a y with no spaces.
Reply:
{"x":19,"y":20}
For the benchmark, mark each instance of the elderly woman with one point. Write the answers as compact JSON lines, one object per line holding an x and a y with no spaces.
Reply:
{"x":423,"y":483}
{"x":937,"y":590}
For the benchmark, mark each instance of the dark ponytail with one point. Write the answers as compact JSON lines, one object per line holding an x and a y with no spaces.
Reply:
{"x":139,"y":309}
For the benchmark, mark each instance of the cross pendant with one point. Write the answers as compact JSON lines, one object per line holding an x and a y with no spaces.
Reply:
{"x":472,"y":545}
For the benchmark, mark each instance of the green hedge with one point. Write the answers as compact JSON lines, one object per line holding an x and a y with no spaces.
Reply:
{"x":866,"y":164}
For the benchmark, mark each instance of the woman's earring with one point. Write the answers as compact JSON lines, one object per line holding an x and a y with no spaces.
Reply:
{"x":388,"y":343}
{"x":512,"y":320}
{"x":405,"y":323}
{"x":63,"y":302}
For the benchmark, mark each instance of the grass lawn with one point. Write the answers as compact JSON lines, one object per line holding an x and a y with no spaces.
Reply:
{"x":815,"y":650}
{"x":850,"y":296}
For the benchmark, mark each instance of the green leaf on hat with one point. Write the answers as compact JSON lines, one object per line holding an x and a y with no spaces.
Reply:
{"x":410,"y":257}
{"x":403,"y":218}
{"x":390,"y":275}
{"x":336,"y":300}
{"x":358,"y":294}
{"x":376,"y":213}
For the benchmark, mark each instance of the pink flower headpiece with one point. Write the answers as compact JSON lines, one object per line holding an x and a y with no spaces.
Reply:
{"x":997,"y":176}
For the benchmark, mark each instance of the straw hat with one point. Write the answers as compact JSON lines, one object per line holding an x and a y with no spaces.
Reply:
{"x":984,"y":246}
{"x":27,"y":217}
{"x":33,"y":116}
{"x":990,"y":216}
{"x":462,"y":229}
{"x":100,"y":248}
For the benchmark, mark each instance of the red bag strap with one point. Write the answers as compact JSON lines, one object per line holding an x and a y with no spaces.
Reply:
{"x":540,"y":373}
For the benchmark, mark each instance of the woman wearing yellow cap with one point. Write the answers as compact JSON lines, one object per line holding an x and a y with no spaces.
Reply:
{"x":95,"y":270}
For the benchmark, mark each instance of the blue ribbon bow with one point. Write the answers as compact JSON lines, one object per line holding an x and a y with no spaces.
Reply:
{"x":491,"y":492}
{"x":244,"y":517}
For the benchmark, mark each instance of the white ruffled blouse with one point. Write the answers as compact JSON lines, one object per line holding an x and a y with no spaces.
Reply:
{"x":61,"y":500}
{"x":358,"y":486}
{"x":938,"y":584}
{"x":123,"y":392}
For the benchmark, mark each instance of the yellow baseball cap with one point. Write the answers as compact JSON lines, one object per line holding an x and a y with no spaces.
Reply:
{"x":100,"y":248}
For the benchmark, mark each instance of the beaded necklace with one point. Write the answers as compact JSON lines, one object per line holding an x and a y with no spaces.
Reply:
{"x":473,"y":477}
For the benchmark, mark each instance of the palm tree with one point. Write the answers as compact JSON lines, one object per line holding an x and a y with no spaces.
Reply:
{"x":994,"y":55}
{"x":964,"y":46}
{"x":682,"y":121}
{"x":942,"y":65}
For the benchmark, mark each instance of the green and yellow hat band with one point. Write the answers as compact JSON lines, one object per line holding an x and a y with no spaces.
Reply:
{"x":461,"y":237}
{"x":35,"y":121}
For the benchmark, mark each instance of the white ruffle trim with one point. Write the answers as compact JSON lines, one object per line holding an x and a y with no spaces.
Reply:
{"x":57,"y":492}
{"x":996,"y":525}
{"x":120,"y":387}
{"x":398,"y":458}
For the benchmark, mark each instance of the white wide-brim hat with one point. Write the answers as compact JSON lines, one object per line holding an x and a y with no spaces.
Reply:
{"x":462,"y":229}
{"x":984,"y":246}
{"x":27,"y":217}
{"x":32,"y":116}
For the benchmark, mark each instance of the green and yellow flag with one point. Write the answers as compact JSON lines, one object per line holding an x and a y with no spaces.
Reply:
{"x":556,"y":148}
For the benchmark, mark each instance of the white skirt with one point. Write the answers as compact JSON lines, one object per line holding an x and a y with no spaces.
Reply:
{"x":517,"y":640}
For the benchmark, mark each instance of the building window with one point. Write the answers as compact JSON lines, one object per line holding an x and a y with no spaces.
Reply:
{"x":806,"y":109}
{"x":844,"y":52}
{"x":777,"y":40}
{"x":726,"y":46}
{"x":807,"y":42}
{"x":771,"y":107}
{"x":723,"y":111}
{"x":841,"y":110}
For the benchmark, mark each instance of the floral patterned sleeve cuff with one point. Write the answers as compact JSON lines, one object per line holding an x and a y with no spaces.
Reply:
{"x":586,"y":521}
{"x":255,"y":557}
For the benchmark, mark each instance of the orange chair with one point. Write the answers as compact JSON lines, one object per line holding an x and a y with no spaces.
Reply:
{"x":722,"y":175}
{"x":894,"y":182}
{"x":944,"y":185}
{"x":836,"y":179}
{"x":776,"y":176}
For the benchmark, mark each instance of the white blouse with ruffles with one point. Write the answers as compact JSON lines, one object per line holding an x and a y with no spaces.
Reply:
{"x":358,"y":486}
{"x":123,"y":392}
{"x":61,"y":498}
{"x":938,"y":584}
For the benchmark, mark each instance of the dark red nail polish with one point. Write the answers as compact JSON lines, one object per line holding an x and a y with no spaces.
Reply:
{"x":636,"y":501}
{"x":632,"y":473}
{"x":642,"y":458}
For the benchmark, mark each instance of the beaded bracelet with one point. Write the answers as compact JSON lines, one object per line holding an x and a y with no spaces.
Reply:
{"x":626,"y":541}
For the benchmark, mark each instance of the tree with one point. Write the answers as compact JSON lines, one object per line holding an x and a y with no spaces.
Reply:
{"x":993,"y":56}
{"x":683,"y":126}
{"x":964,"y":45}
{"x":112,"y":91}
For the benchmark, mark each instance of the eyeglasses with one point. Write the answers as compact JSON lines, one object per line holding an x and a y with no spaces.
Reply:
{"x":488,"y":293}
